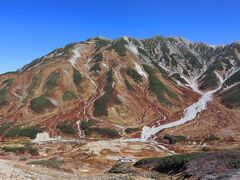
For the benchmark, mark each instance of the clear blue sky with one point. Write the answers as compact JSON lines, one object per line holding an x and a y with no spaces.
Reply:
{"x":31,"y":28}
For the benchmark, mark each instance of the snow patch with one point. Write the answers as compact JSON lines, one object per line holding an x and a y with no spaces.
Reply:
{"x":140,"y":70}
{"x":105,"y":65}
{"x":229,"y":87}
{"x":76,"y":55}
{"x":44,"y":138}
{"x":165,"y":149}
{"x":131,"y":47}
{"x":219,"y":77}
{"x":53,"y":101}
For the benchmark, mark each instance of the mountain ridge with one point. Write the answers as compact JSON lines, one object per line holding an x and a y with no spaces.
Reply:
{"x":96,"y":79}
{"x":167,"y":37}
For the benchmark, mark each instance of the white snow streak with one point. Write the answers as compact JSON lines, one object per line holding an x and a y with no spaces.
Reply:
{"x":53,"y":101}
{"x":140,"y":70}
{"x":80,"y":132}
{"x":105,"y":65}
{"x":76,"y":55}
{"x":131,"y":47}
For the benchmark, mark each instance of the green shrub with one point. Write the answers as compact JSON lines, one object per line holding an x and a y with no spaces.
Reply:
{"x":134,"y":75}
{"x":85,"y":125}
{"x":95,"y":68}
{"x":103,"y":131}
{"x":3,"y":96}
{"x":161,"y":70}
{"x":13,"y":132}
{"x":165,"y":48}
{"x":100,"y":105}
{"x":53,"y":80}
{"x":9,"y":82}
{"x":131,"y":130}
{"x":173,"y":164}
{"x":231,"y":99}
{"x":51,"y":163}
{"x":23,"y":149}
{"x":119,"y":46}
{"x":68,"y":96}
{"x":179,"y":78}
{"x":233,"y":79}
{"x":33,"y":151}
{"x":100,"y":108}
{"x":30,"y":132}
{"x":66,"y":127}
{"x":212,"y":138}
{"x":40,"y":103}
{"x":128,"y":85}
{"x":142,"y":52}
{"x":228,"y":63}
{"x":174,"y":139}
{"x":14,"y":149}
{"x":4,"y":128}
{"x":98,"y":57}
{"x":34,"y":84}
{"x":122,"y":168}
{"x":158,"y":87}
{"x":77,"y":77}
{"x":210,"y":81}
{"x":193,"y":61}
{"x":174,"y":61}
{"x":217,"y":65}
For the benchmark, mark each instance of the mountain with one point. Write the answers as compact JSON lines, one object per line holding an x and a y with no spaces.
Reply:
{"x":159,"y":108}
{"x":112,"y":88}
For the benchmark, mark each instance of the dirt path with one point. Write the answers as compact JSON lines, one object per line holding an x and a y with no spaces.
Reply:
{"x":12,"y":170}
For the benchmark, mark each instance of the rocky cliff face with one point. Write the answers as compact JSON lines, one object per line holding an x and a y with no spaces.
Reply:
{"x":115,"y":87}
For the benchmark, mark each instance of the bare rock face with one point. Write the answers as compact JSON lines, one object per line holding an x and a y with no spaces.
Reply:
{"x":102,"y":87}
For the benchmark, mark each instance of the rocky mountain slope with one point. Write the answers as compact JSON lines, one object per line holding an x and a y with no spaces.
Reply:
{"x":113,"y":88}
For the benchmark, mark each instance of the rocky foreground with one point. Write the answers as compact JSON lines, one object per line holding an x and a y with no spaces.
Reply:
{"x":117,"y":159}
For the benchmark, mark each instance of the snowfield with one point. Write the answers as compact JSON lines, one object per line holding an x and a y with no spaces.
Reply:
{"x":76,"y":55}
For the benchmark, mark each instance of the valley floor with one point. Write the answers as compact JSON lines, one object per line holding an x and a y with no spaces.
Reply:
{"x":90,"y":159}
{"x":85,"y":160}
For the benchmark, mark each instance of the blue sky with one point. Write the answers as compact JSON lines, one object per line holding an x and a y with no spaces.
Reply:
{"x":31,"y":28}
